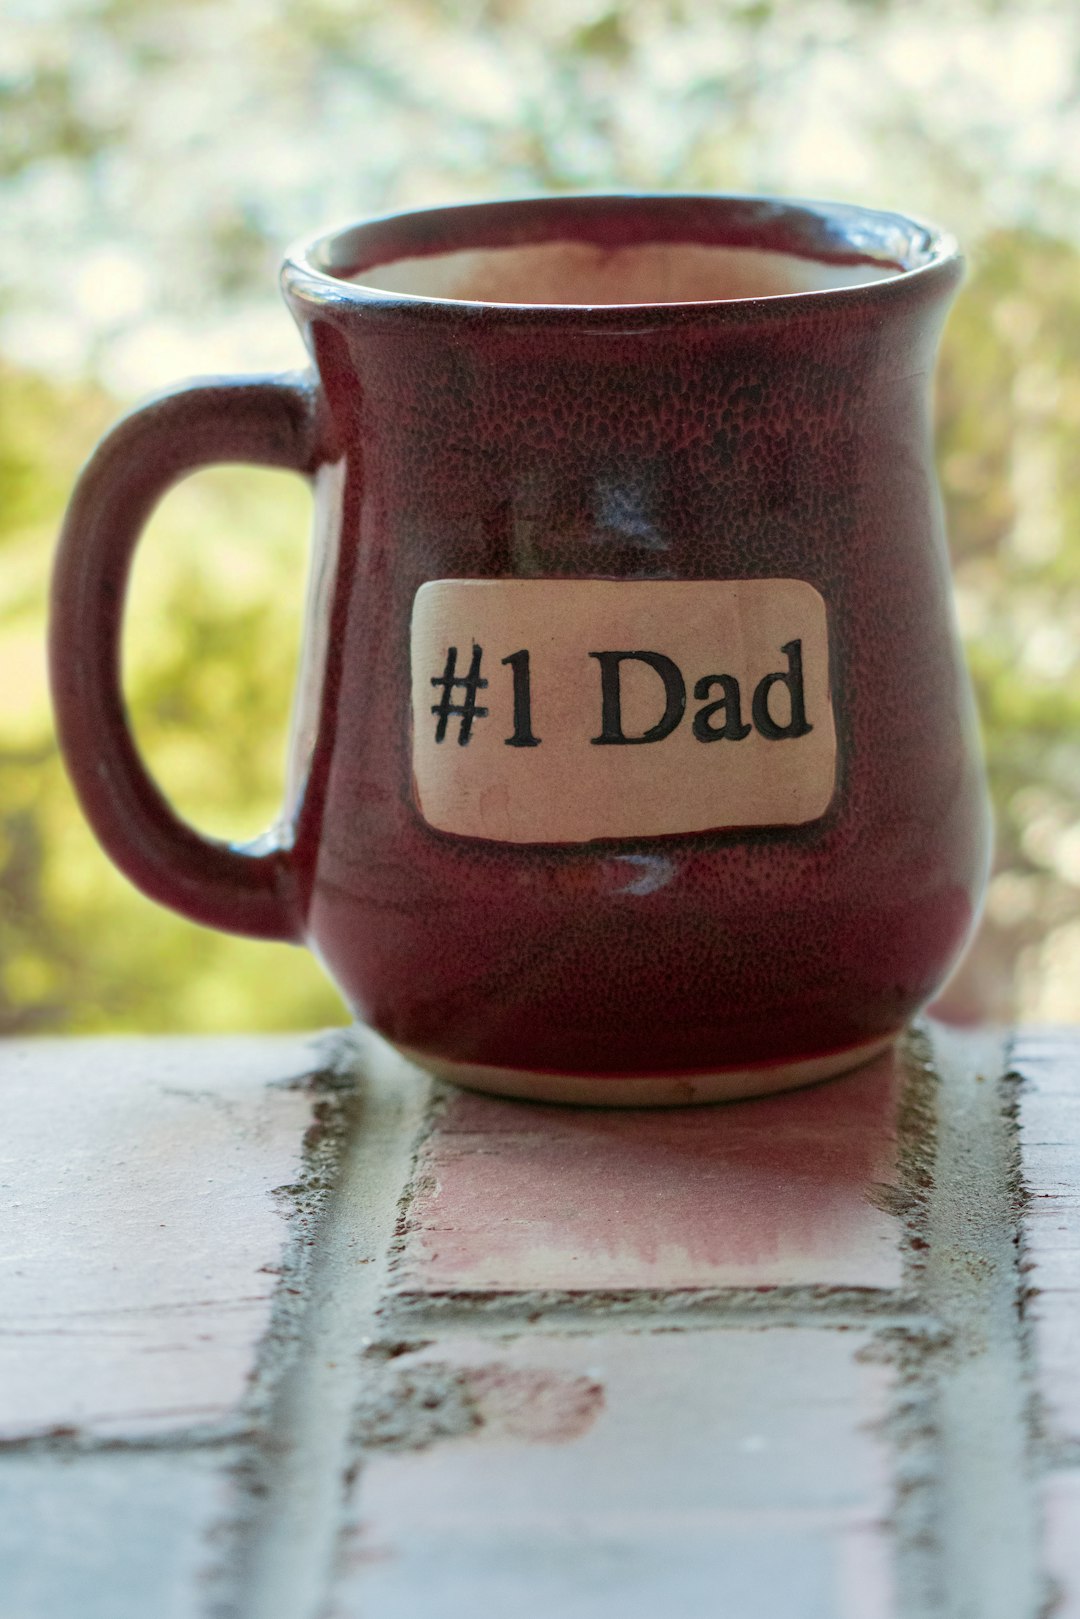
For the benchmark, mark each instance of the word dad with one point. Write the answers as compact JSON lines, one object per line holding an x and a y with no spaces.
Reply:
{"x":719,"y":719}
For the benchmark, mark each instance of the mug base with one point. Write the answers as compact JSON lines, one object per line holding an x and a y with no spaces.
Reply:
{"x":650,"y":1090}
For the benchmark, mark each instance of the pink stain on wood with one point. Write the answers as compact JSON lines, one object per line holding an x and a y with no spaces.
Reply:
{"x":532,"y":1403}
{"x":777,"y":1190}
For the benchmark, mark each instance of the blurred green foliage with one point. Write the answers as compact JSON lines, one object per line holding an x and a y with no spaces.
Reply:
{"x":1009,"y":425}
{"x":155,"y":156}
{"x":211,"y":642}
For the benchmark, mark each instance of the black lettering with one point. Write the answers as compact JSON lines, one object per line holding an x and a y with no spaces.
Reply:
{"x":611,"y":730}
{"x":465,"y":711}
{"x":730,"y":705}
{"x":523,"y":734}
{"x":798,"y":725}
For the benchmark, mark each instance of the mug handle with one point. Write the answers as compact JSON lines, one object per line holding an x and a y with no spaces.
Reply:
{"x":271,"y":421}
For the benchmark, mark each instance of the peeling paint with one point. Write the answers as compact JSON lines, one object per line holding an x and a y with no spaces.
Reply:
{"x":410,"y":1405}
{"x":389,"y":1365}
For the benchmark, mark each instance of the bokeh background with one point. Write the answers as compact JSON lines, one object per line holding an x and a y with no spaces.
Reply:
{"x":155,"y":158}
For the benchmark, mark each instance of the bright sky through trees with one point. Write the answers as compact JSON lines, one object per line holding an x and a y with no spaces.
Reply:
{"x":156,"y":156}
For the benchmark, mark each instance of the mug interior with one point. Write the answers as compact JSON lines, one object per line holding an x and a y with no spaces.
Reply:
{"x":625,"y":250}
{"x":583,"y":273}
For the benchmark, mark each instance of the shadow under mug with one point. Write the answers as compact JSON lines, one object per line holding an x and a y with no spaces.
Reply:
{"x":634,"y":757}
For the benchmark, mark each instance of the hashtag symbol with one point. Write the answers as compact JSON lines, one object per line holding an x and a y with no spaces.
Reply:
{"x":466,"y":710}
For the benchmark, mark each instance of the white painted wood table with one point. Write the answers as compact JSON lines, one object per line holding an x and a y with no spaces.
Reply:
{"x":288,"y":1335}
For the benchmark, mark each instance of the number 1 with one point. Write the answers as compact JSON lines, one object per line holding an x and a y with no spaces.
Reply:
{"x":523,"y":735}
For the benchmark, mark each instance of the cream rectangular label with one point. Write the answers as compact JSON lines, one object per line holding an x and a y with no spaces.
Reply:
{"x":563,"y":710}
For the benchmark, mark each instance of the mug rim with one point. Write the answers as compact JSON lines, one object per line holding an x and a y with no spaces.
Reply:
{"x":754,"y":220}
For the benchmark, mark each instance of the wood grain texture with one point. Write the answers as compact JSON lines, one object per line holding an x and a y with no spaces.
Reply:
{"x":143,"y":1236}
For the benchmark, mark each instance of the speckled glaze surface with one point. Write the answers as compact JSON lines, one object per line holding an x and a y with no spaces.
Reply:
{"x":776,"y":437}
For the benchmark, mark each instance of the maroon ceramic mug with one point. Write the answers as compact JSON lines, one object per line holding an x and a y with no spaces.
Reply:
{"x":634,"y":756}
